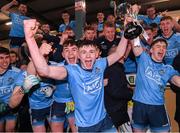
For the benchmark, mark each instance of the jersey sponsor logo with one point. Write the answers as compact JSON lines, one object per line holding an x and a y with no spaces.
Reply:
{"x":151,"y":74}
{"x":5,"y":90}
{"x":171,"y":53}
{"x":92,"y":86}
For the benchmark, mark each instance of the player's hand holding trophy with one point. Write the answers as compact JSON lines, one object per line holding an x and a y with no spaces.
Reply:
{"x":132,"y":29}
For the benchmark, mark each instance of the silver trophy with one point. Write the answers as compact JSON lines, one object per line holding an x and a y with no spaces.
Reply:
{"x":134,"y":28}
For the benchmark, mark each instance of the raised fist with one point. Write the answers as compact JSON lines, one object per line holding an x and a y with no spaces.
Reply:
{"x":15,"y":2}
{"x":30,"y":27}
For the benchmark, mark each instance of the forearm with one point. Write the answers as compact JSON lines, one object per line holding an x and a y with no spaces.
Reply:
{"x":5,"y":8}
{"x":176,"y":80}
{"x":119,"y":53}
{"x":38,"y":60}
{"x":31,"y":68}
{"x":16,"y":97}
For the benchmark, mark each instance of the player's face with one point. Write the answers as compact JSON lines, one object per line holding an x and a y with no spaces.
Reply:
{"x":23,"y":9}
{"x":13,"y":57}
{"x":70,"y":33}
{"x":158,"y":51}
{"x":100,"y":17}
{"x":87,"y":56}
{"x":111,"y":19}
{"x":150,"y":35}
{"x":109,"y":33}
{"x":89,"y":34}
{"x":166,"y":27}
{"x":150,"y":11}
{"x":45,"y":28}
{"x":4,"y":62}
{"x":70,"y":53}
{"x":65,"y":16}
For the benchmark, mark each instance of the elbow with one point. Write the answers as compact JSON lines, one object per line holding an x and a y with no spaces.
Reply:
{"x":43,"y":72}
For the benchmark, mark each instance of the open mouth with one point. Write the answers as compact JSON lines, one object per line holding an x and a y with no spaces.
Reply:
{"x":88,"y":64}
{"x":72,"y":60}
{"x":160,"y":54}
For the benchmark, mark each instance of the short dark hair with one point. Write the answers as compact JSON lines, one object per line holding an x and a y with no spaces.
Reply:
{"x":69,"y":42}
{"x":65,"y":11}
{"x":154,"y":25}
{"x":4,"y":50}
{"x":13,"y":52}
{"x":88,"y":27}
{"x":151,"y":6}
{"x":82,"y":43}
{"x":109,"y":24}
{"x":159,"y":40}
{"x":166,"y":18}
{"x":148,"y":28}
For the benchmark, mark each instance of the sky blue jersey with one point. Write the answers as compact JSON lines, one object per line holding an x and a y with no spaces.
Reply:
{"x":151,"y":80}
{"x":147,"y":20}
{"x":11,"y":78}
{"x":88,"y":92}
{"x":17,"y":28}
{"x":62,"y":93}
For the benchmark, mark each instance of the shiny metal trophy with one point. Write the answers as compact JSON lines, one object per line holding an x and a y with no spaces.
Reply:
{"x":132,"y":29}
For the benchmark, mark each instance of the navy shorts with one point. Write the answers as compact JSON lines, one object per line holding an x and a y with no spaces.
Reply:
{"x":38,"y":116}
{"x":16,"y":42}
{"x":104,"y":125}
{"x":9,"y":116}
{"x":147,"y":116}
{"x":58,"y":113}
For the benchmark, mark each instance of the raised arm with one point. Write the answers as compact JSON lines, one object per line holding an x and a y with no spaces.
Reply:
{"x":119,"y":53}
{"x":121,"y":48}
{"x":137,"y":50}
{"x":59,"y":73}
{"x":5,"y":9}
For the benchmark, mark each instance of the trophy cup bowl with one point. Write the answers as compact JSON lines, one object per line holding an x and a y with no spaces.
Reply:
{"x":132,"y":29}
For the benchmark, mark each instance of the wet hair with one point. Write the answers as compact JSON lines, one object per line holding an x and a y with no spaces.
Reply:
{"x":4,"y":50}
{"x":166,"y":18}
{"x":159,"y":40}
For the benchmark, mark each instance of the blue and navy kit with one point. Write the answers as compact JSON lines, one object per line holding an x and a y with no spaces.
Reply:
{"x":11,"y":78}
{"x":17,"y":28}
{"x":62,"y":93}
{"x":151,"y":80}
{"x":88,"y":92}
{"x":38,"y":98}
{"x":63,"y":27}
{"x":147,"y":20}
